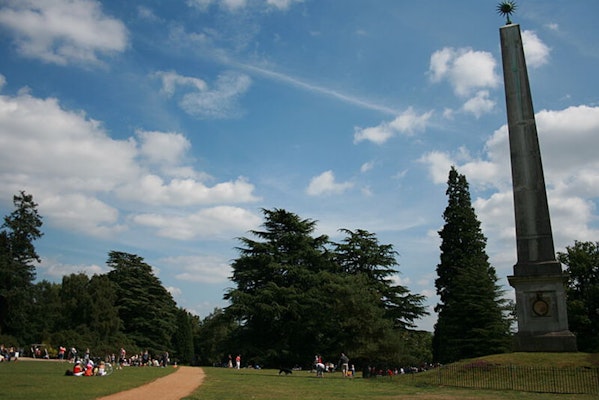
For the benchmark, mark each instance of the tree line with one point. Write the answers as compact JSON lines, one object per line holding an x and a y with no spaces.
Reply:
{"x":294,"y":295}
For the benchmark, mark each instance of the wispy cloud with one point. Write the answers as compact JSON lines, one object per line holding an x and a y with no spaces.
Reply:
{"x":293,"y":81}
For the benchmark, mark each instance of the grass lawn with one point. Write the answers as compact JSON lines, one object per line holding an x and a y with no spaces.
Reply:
{"x":224,"y":383}
{"x":46,"y":380}
{"x":26,"y":379}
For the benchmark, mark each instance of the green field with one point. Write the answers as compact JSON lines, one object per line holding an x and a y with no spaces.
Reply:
{"x":46,"y":380}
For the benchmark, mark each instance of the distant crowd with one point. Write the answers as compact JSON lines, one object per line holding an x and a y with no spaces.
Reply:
{"x":9,"y":353}
{"x":142,"y":359}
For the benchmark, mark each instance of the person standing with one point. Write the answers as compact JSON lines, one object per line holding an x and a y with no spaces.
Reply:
{"x":238,"y":361}
{"x":122,"y":357}
{"x":344,"y":364}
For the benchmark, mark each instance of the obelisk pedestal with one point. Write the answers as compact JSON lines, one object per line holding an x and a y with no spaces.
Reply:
{"x":538,"y":278}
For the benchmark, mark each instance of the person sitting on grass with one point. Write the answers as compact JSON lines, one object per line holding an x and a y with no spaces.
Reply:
{"x":78,"y":369}
{"x":100,"y":370}
{"x":89,"y":368}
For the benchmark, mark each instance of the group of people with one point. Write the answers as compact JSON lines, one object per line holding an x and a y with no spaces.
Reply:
{"x":89,"y":369}
{"x":343,"y":363}
{"x":8,"y":353}
{"x":85,"y":366}
{"x":144,"y":359}
{"x":237,"y":361}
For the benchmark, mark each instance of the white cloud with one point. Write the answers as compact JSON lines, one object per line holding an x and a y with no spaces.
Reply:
{"x":201,"y":101}
{"x":62,"y":31}
{"x":536,"y":52}
{"x":439,"y":164}
{"x":325,"y":184}
{"x":222,"y":222}
{"x":466,"y":70}
{"x":163,"y":147}
{"x":80,"y":176}
{"x":236,"y":5}
{"x":203,"y":269}
{"x":408,"y":123}
{"x":377,"y":134}
{"x":153,"y":189}
{"x":367,"y":166}
{"x":282,"y":4}
{"x":568,"y":140}
{"x":56,"y":270}
{"x":479,"y":104}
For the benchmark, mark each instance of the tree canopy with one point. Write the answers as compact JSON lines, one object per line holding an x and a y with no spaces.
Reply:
{"x":297,"y":294}
{"x":582,"y":261}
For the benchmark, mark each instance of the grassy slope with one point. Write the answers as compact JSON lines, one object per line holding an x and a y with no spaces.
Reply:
{"x":559,"y":360}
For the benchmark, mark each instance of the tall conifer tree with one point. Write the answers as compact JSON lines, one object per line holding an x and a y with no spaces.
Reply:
{"x":17,"y":269}
{"x":471,"y":312}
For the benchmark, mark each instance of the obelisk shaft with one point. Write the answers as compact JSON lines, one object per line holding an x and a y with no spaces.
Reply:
{"x":538,"y":278}
{"x":534,"y":238}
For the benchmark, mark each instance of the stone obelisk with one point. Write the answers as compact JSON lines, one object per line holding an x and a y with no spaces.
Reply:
{"x":538,"y":278}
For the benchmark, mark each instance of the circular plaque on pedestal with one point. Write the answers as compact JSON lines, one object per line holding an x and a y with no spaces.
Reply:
{"x":540,"y":307}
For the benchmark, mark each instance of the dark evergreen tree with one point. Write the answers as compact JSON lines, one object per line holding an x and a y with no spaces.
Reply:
{"x":146,"y":308}
{"x":295,"y":296}
{"x":582,"y":261}
{"x":76,"y":302}
{"x":472,"y":317}
{"x":104,"y":320}
{"x":360,"y":253}
{"x":182,"y":341}
{"x":17,"y":270}
{"x":275,"y":297}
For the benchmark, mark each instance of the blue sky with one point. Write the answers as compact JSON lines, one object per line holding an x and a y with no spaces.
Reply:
{"x":163,"y":128}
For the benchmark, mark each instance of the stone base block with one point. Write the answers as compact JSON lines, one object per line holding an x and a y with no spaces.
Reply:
{"x":554,"y":342}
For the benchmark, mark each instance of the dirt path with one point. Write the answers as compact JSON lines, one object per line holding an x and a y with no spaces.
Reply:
{"x":171,"y":387}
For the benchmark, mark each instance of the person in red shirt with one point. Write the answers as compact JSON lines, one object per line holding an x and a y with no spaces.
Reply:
{"x":78,"y":369}
{"x":89,"y":369}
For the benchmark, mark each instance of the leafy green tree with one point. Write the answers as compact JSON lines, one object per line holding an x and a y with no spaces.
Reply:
{"x":471,"y":313}
{"x":17,"y":270}
{"x":146,"y":308}
{"x":46,"y":317}
{"x":211,"y":338}
{"x":582,"y":261}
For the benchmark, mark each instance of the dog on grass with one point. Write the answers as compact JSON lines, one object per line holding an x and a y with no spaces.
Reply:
{"x":287,"y":371}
